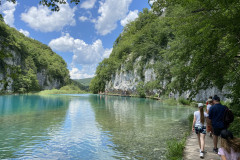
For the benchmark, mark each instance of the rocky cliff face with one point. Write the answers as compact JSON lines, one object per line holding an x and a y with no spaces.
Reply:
{"x":125,"y":81}
{"x":10,"y":63}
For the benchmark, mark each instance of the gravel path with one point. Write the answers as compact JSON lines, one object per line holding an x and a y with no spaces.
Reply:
{"x":191,"y":151}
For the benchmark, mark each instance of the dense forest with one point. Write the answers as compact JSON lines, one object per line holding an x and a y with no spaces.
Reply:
{"x":195,"y":45}
{"x":24,"y":62}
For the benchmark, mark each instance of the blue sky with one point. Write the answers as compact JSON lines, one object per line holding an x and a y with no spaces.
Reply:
{"x":83,"y":35}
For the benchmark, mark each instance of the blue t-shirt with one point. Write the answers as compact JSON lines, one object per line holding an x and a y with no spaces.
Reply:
{"x":216,"y":114}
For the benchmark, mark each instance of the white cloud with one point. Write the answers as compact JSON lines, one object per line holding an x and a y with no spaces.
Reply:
{"x":8,"y":9}
{"x":111,"y":11}
{"x":85,"y":55}
{"x":43,"y":19}
{"x":132,"y":15}
{"x":152,"y":1}
{"x":83,"y":18}
{"x":75,"y":73}
{"x":26,"y":33}
{"x":88,"y":4}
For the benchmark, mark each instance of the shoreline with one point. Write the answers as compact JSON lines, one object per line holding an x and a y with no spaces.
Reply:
{"x":120,"y":95}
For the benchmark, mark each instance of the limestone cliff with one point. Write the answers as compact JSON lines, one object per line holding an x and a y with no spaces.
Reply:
{"x":28,"y":65}
{"x":126,"y":81}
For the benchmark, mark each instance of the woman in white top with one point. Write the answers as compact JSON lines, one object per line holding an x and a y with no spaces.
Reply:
{"x":199,"y":126}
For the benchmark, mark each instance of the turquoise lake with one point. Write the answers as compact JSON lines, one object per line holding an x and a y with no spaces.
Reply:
{"x":87,"y":127}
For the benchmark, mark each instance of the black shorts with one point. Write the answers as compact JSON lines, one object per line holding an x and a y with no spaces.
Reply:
{"x":217,"y":131}
{"x":200,"y":130}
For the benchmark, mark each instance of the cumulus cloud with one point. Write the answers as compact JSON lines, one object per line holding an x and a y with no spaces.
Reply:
{"x":111,"y":11}
{"x":75,"y":73}
{"x":83,"y":18}
{"x":152,"y":1}
{"x":88,"y":4}
{"x":43,"y":19}
{"x":132,"y":15}
{"x":8,"y":9}
{"x":85,"y":55}
{"x":26,"y":33}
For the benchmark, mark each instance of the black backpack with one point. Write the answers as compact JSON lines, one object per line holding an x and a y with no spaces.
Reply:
{"x":228,"y":117}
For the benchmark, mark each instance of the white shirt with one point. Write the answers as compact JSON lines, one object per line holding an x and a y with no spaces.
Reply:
{"x":197,"y":115}
{"x":209,"y":106}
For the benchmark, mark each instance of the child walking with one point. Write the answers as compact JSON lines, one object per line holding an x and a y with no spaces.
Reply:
{"x":199,"y":126}
{"x":230,"y":146}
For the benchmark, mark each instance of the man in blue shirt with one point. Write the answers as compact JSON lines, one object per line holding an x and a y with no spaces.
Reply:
{"x":216,"y":114}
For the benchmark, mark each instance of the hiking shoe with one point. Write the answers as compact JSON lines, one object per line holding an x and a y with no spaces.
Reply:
{"x":201,"y":155}
{"x":215,"y":150}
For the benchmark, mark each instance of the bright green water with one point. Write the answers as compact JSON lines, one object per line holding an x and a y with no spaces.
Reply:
{"x":87,"y":127}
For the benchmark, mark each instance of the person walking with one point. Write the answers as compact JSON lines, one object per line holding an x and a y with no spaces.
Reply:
{"x":216,"y":114}
{"x":230,"y":146}
{"x":209,"y":126}
{"x":199,"y":126}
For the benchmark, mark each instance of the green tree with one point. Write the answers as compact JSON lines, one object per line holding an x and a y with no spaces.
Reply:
{"x":53,"y":4}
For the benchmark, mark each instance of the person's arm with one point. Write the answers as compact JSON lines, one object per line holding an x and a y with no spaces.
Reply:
{"x":194,"y":121}
{"x":224,"y":157}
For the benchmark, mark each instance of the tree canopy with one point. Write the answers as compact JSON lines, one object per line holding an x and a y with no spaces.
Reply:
{"x":53,"y":4}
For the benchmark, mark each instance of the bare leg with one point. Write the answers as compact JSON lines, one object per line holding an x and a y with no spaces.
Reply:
{"x":199,"y":142}
{"x":215,"y":141}
{"x":202,"y":140}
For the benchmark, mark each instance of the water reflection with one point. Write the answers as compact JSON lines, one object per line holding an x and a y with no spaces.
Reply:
{"x":86,"y":127}
{"x":139,"y":127}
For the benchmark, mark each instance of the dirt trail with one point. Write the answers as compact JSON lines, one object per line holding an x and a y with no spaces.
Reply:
{"x":191,"y":151}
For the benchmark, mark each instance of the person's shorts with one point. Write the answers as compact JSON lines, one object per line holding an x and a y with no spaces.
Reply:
{"x":201,"y":129}
{"x":217,"y":131}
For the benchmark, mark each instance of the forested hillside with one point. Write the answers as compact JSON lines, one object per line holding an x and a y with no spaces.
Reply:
{"x":190,"y":45}
{"x":28,"y":65}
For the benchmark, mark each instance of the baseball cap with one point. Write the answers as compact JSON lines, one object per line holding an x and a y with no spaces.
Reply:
{"x":200,"y":105}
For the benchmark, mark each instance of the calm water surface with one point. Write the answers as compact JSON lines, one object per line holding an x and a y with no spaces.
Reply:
{"x":87,"y":127}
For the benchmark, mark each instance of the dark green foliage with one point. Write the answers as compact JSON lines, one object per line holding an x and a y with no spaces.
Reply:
{"x":53,"y":4}
{"x":235,"y":127}
{"x":35,"y":57}
{"x":140,"y":90}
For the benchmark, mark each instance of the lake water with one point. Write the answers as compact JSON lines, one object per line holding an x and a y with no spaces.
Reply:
{"x":87,"y":127}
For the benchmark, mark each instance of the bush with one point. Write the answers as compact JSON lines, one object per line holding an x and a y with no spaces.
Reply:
{"x":235,"y":127}
{"x":175,"y":149}
{"x":183,"y":101}
{"x":140,"y":90}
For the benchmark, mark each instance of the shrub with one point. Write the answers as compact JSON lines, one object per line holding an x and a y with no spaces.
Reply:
{"x":140,"y":90}
{"x":183,"y":101}
{"x":175,"y":149}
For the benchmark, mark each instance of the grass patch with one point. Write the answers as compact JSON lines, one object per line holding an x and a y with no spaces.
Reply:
{"x":175,"y":147}
{"x":170,"y":101}
{"x":69,"y":89}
